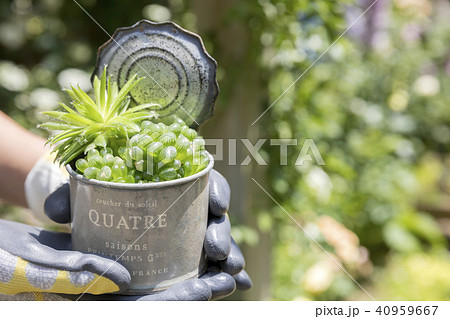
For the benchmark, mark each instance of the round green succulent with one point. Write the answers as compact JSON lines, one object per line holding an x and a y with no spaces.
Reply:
{"x":156,"y":153}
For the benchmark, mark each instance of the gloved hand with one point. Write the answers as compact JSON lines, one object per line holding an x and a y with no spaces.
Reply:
{"x":226,"y":262}
{"x":33,"y":260}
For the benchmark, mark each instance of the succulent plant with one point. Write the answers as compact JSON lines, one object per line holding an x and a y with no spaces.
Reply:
{"x":147,"y":156}
{"x":91,"y":123}
{"x":111,"y":142}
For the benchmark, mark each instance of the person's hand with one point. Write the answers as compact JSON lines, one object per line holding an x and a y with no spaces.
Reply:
{"x":33,"y":260}
{"x":226,"y":262}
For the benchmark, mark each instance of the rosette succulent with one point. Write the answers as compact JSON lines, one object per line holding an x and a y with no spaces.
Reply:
{"x":110,"y":141}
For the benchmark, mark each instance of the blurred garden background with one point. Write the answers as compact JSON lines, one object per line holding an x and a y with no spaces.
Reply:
{"x":376,"y":104}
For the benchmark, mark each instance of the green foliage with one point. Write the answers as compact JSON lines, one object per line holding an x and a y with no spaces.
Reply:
{"x":417,"y":276}
{"x":375,"y":111}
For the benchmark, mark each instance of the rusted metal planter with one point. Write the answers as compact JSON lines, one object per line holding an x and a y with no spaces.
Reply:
{"x":155,"y":230}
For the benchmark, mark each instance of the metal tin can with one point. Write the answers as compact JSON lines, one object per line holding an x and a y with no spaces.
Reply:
{"x":155,"y":230}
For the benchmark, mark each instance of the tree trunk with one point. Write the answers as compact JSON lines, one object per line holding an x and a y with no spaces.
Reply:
{"x":239,"y":104}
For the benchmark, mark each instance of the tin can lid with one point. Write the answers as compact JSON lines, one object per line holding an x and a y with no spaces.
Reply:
{"x":179,"y":74}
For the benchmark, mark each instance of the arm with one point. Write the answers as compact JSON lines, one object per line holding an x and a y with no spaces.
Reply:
{"x":19,"y":151}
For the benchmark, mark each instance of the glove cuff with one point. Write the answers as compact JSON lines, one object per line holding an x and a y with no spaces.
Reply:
{"x":43,"y":179}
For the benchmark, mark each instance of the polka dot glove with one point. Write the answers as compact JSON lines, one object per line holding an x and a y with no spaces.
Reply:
{"x":36,"y":262}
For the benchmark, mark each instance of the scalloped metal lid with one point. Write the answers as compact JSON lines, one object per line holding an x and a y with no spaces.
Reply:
{"x":179,"y":74}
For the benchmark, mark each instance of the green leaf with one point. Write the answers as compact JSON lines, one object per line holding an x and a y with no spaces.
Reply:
{"x":71,"y":153}
{"x":55,"y":114}
{"x":84,"y":98}
{"x":114,"y":109}
{"x":100,"y":141}
{"x":112,"y":92}
{"x":140,"y":107}
{"x":97,"y":89}
{"x":123,"y":121}
{"x":68,"y":109}
{"x":57,"y":126}
{"x":73,"y":95}
{"x":102,"y":100}
{"x":64,"y":135}
{"x":81,"y":109}
{"x":123,"y":106}
{"x":131,"y":83}
{"x":140,"y":116}
{"x":68,"y":118}
{"x":75,"y":119}
{"x":63,"y":145}
{"x":88,"y":111}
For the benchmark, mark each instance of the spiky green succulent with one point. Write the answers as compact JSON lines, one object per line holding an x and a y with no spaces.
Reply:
{"x":91,"y":123}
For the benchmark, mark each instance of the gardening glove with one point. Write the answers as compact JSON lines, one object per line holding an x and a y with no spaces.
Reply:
{"x":35,"y":263}
{"x":225,"y":271}
{"x":43,"y":179}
